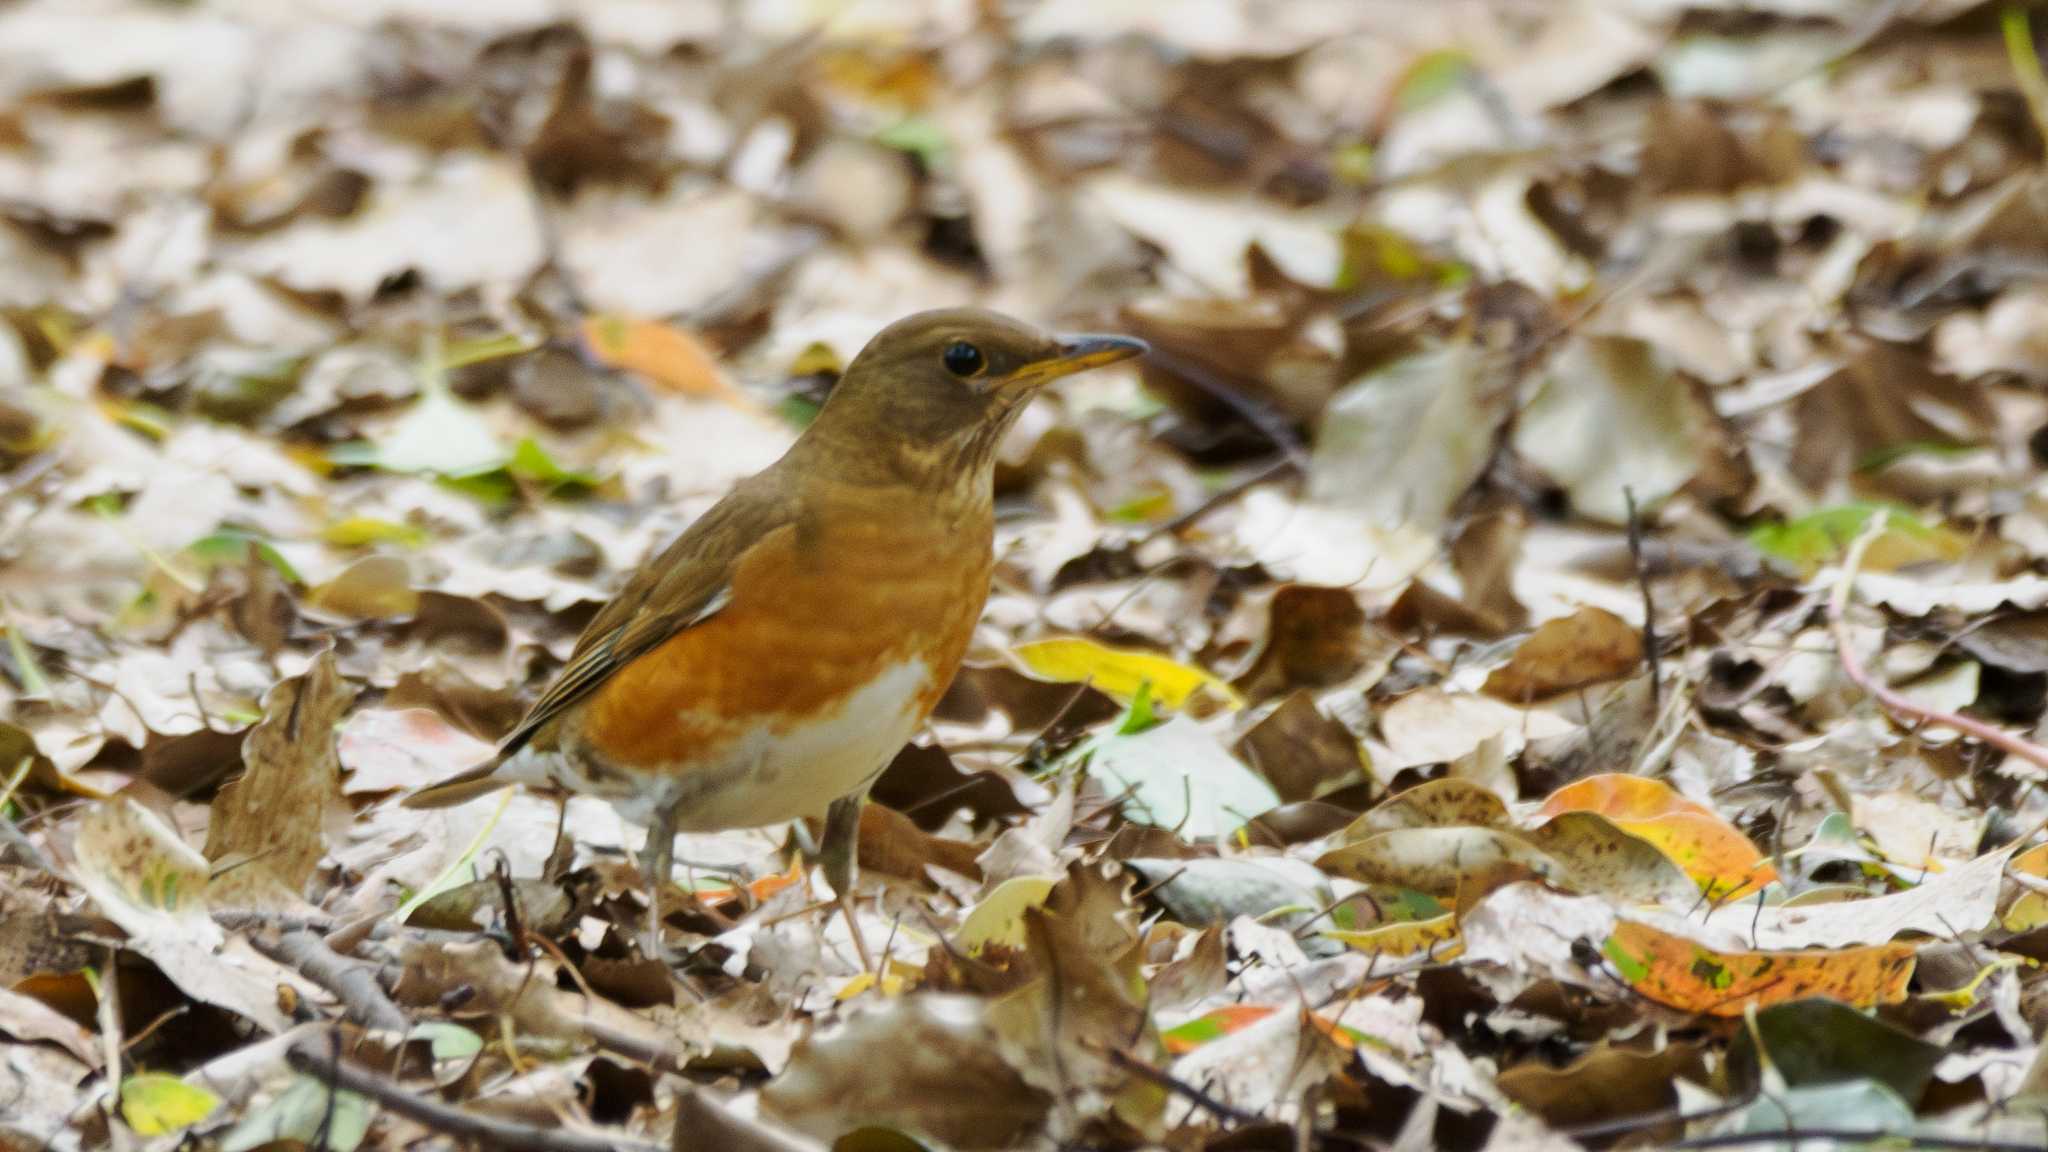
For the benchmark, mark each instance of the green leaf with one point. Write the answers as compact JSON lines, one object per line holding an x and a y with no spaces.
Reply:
{"x":155,"y":1104}
{"x":921,"y":137}
{"x":300,"y":1113}
{"x":797,"y":411}
{"x":231,"y":546}
{"x":1822,"y":1041}
{"x":140,"y":416}
{"x":477,"y":350}
{"x":1634,"y":969}
{"x":1433,"y":77}
{"x":1143,"y":508}
{"x":530,"y":462}
{"x":1177,"y":776}
{"x":1891,"y":454}
{"x":1140,"y":715}
{"x":1353,"y":164}
{"x":1818,"y":537}
{"x":447,"y":1041}
{"x":453,"y":874}
{"x":34,"y":685}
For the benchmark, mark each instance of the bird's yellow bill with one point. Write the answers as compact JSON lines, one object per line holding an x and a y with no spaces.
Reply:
{"x":1078,"y":354}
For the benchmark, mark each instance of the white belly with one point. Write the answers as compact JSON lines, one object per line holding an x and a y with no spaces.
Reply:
{"x":773,"y":774}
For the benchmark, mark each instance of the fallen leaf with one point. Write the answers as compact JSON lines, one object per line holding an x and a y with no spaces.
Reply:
{"x":373,"y":588}
{"x":1823,"y":1041}
{"x":154,"y":1104}
{"x":1216,"y":891}
{"x":1608,"y":1083}
{"x":1678,"y":972}
{"x":1718,"y":857}
{"x":145,"y":879}
{"x":1121,"y":672}
{"x":29,"y":1021}
{"x":999,"y":917}
{"x":927,"y":1065}
{"x":1315,"y":637}
{"x":306,"y":1110}
{"x":1302,"y":752}
{"x":1610,"y":416}
{"x":1403,"y":442}
{"x":1577,"y":850}
{"x":1437,"y":936}
{"x":1587,"y":647}
{"x":1448,"y":802}
{"x":270,"y":820}
{"x":1432,"y":726}
{"x":1265,"y":1066}
{"x":1176,"y":775}
{"x":668,"y":355}
{"x":2030,"y":909}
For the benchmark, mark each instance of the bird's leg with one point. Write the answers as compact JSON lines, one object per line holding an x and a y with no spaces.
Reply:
{"x":839,"y":854}
{"x":657,"y":857}
{"x":561,"y":853}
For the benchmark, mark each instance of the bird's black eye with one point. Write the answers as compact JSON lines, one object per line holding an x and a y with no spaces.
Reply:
{"x":963,"y":359}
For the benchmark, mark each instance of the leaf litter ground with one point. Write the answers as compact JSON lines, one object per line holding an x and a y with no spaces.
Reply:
{"x":1550,"y":650}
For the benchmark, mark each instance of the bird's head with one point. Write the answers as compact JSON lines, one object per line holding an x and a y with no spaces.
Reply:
{"x":938,"y":389}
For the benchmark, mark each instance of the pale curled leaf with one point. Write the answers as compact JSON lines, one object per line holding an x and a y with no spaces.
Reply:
{"x":151,"y":883}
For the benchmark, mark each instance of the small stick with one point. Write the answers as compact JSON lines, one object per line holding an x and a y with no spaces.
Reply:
{"x":1852,"y":665}
{"x":1635,"y":551}
{"x":353,"y":982}
{"x":490,"y":1131}
{"x":1855,"y":1136}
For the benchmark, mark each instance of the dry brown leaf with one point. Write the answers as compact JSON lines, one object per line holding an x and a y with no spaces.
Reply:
{"x":267,"y":833}
{"x":1587,"y":647}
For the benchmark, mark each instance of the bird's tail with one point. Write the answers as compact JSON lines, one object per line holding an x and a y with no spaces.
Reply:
{"x":461,"y":788}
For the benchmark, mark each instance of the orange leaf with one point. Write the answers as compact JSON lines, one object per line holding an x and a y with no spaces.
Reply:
{"x":667,"y":355}
{"x":1213,"y":1026}
{"x":1675,"y":971}
{"x":759,"y":890}
{"x":1715,"y":853}
{"x":1232,"y":1018}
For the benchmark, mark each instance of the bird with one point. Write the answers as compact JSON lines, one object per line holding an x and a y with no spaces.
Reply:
{"x":769,"y":663}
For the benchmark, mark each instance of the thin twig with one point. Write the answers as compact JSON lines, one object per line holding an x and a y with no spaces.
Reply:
{"x":1635,"y":551}
{"x":490,"y":1131}
{"x":1222,"y":496}
{"x":353,"y":982}
{"x":1263,"y":417}
{"x":1182,"y":1088}
{"x":1852,"y":665}
{"x":1855,"y":1136}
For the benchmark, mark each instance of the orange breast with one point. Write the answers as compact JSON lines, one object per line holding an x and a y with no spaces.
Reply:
{"x":815,"y":615}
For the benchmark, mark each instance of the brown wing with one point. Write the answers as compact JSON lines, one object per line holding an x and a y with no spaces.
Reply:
{"x":687,"y":584}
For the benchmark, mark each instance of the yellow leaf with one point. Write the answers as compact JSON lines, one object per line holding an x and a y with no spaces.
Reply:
{"x":154,"y":1104}
{"x":999,"y":918}
{"x":899,"y":979}
{"x":1437,"y":936}
{"x":2030,"y":910}
{"x":1120,"y":671}
{"x":357,"y":531}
